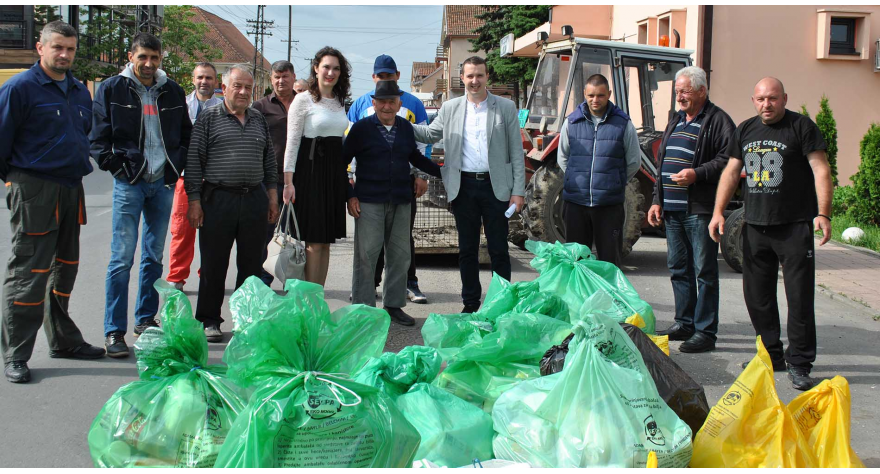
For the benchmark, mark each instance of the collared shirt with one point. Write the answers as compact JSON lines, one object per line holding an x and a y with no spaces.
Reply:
{"x":276,"y":115}
{"x":389,"y":132}
{"x":475,"y":141}
{"x":225,"y":151}
{"x":680,"y":148}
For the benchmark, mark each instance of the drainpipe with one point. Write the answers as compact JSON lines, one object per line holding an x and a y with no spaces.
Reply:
{"x":706,"y":41}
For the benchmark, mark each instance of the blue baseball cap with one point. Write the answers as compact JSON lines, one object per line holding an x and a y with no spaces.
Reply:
{"x":384,"y":63}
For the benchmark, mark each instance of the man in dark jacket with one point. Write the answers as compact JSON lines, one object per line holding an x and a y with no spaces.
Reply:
{"x":380,"y":201}
{"x":140,"y":134}
{"x":44,"y":153}
{"x":599,"y":154}
{"x":692,"y":155}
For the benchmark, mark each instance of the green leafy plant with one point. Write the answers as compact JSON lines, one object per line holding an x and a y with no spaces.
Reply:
{"x":804,"y":110}
{"x":844,"y":198}
{"x":866,"y":183}
{"x":828,"y":127}
{"x":184,"y":43}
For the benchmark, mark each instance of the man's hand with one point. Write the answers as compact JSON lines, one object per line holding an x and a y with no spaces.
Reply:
{"x":289,"y":194}
{"x":273,"y":210}
{"x":824,"y":224}
{"x":655,"y":214}
{"x":420,"y":187}
{"x":354,"y":207}
{"x":518,"y":200}
{"x":716,"y":227}
{"x":195,"y":215}
{"x":685,"y":177}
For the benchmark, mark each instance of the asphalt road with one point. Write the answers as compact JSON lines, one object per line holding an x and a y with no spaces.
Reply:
{"x":44,"y":423}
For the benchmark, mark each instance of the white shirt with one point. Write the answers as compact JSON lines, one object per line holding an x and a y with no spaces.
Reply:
{"x":310,"y":119}
{"x":475,"y":142}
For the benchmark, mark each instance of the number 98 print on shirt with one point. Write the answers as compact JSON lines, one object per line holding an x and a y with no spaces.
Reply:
{"x":780,"y":188}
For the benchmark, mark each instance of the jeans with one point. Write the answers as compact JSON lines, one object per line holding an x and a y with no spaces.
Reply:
{"x":692,"y":259}
{"x":475,"y":206}
{"x":130,"y":201}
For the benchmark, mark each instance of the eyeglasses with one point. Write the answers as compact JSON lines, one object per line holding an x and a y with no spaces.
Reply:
{"x":687,"y":92}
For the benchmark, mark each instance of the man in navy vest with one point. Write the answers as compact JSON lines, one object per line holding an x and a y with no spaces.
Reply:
{"x":599,"y":154}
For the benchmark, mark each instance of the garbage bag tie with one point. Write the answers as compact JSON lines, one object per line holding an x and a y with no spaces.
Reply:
{"x":334,"y":387}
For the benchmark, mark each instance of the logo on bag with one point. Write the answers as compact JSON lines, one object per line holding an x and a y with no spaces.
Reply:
{"x":653,"y":433}
{"x":321,"y":405}
{"x":213,"y":419}
{"x":732,"y":398}
{"x":605,"y":347}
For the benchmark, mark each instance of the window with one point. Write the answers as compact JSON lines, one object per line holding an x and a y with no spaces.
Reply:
{"x":843,"y":36}
{"x":12,"y":27}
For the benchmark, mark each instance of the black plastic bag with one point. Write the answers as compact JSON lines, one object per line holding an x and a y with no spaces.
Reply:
{"x":680,"y":392}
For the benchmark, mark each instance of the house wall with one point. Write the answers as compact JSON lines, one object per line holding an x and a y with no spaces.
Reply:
{"x":593,"y":21}
{"x":625,"y":19}
{"x":745,"y":50}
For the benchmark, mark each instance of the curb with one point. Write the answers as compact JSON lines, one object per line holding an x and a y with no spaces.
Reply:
{"x":861,"y":250}
{"x":832,"y":295}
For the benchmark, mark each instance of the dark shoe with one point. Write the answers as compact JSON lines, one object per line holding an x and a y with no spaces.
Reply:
{"x":140,"y":328}
{"x":213,"y":334}
{"x":415,"y":294}
{"x":115,"y":345}
{"x":83,"y":351}
{"x":677,"y":332}
{"x":800,"y":378}
{"x":470,"y":308}
{"x":17,"y":372}
{"x":699,"y":342}
{"x":778,"y":365}
{"x":399,"y":317}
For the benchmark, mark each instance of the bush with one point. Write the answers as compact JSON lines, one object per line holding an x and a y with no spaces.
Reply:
{"x":866,"y":183}
{"x":844,"y":199}
{"x":828,"y":127}
{"x":804,"y":110}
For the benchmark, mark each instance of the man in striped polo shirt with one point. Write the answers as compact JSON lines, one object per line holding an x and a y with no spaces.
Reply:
{"x":231,"y":186}
{"x":693,"y":153}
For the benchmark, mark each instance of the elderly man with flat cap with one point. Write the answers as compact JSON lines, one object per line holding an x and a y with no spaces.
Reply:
{"x":380,"y":199}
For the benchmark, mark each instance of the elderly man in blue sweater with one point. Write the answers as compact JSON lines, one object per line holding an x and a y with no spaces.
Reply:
{"x":381,"y":197}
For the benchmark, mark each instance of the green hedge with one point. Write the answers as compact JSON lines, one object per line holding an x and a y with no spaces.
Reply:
{"x":866,"y":183}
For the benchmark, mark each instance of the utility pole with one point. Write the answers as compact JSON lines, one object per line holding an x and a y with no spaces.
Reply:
{"x":259,"y":31}
{"x":289,"y":39}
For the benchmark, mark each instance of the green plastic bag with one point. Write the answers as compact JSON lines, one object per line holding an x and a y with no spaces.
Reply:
{"x":305,"y":411}
{"x":572,"y":273}
{"x":453,"y":431}
{"x":521,"y":297}
{"x":602,"y":410}
{"x":179,"y":413}
{"x":481,"y":383}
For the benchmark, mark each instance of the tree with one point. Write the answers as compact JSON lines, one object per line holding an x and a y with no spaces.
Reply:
{"x":183,"y":41}
{"x":499,"y":21}
{"x":828,"y":127}
{"x":866,"y":183}
{"x":804,"y":110}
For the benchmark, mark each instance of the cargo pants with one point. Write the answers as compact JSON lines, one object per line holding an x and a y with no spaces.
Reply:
{"x":45,"y":220}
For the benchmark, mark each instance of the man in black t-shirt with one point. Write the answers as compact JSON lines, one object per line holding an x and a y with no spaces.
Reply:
{"x":788,"y":185}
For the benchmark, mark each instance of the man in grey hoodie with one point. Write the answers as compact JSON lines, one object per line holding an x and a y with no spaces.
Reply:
{"x":140,"y":134}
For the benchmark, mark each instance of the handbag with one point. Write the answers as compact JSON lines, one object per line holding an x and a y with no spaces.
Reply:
{"x":286,"y":258}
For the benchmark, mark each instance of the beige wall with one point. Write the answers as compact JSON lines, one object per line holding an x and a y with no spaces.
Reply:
{"x":587,"y":20}
{"x":744,"y":50}
{"x":626,"y":18}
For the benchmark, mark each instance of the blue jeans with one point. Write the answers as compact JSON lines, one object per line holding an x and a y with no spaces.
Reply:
{"x":692,"y":258}
{"x":154,"y":201}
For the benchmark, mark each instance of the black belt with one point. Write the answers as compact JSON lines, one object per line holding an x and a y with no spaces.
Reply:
{"x":481,"y":175}
{"x":209,"y":188}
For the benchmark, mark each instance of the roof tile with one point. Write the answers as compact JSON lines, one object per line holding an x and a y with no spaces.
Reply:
{"x":223,"y":35}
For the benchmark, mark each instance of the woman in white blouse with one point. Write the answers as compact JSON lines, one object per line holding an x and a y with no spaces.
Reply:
{"x":315,"y":179}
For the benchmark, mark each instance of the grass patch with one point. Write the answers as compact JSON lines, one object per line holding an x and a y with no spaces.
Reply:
{"x":842,"y":222}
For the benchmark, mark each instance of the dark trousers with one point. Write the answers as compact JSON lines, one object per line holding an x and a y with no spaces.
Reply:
{"x":270,"y":232}
{"x":229,"y":217}
{"x":602,"y":225}
{"x":692,"y":258}
{"x":45,"y":219}
{"x":764,"y":248}
{"x":474,"y":206}
{"x":411,"y":272}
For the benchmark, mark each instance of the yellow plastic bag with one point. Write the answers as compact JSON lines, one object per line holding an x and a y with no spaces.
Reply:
{"x":822,"y":415}
{"x":750,"y":427}
{"x":661,"y":341}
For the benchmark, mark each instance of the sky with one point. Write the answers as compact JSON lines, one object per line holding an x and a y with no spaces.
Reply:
{"x":406,"y":33}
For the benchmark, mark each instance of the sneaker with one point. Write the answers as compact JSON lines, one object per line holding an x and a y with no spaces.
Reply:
{"x":213,"y":334}
{"x":83,"y":351}
{"x":140,"y":328}
{"x":800,"y":378}
{"x":470,"y":308}
{"x":415,"y":294}
{"x":115,"y":345}
{"x":178,"y":285}
{"x":17,"y":372}
{"x":778,"y":365}
{"x":400,"y":317}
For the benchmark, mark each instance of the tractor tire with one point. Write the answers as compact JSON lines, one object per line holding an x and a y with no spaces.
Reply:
{"x":633,"y":216}
{"x":517,"y":233}
{"x":542,"y":212}
{"x":731,"y":240}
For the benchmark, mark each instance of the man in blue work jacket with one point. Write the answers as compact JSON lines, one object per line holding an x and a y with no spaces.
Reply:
{"x":45,"y":117}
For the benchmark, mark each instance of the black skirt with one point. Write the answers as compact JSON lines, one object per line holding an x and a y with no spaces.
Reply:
{"x":320,"y":182}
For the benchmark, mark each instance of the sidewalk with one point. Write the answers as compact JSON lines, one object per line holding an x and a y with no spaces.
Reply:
{"x":854,"y":273}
